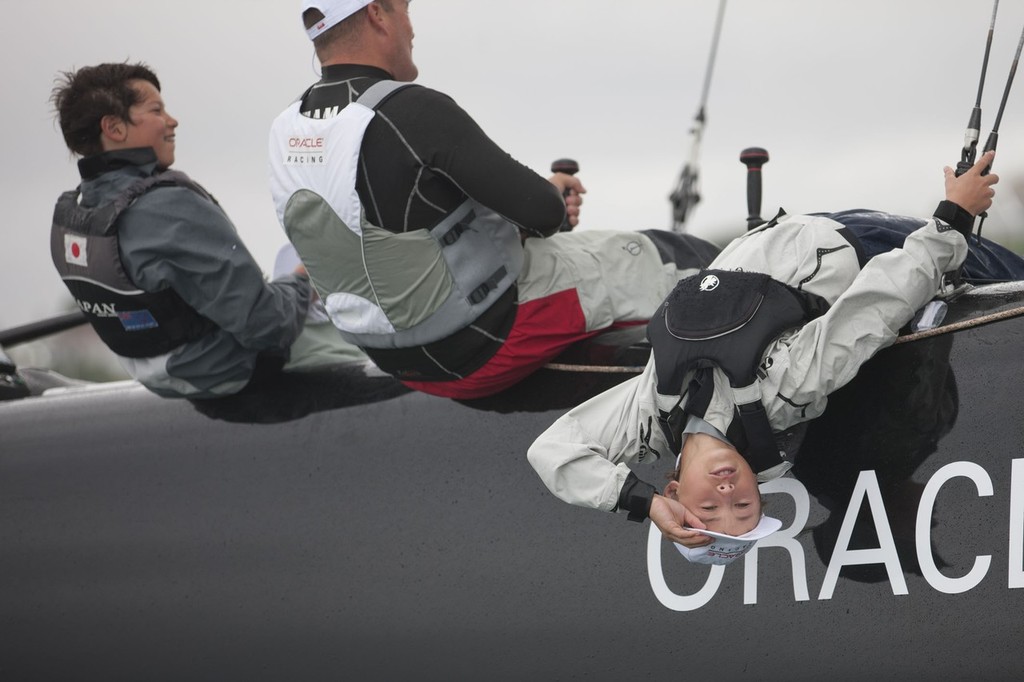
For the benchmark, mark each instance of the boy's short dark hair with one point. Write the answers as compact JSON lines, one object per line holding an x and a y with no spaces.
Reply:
{"x":82,"y":98}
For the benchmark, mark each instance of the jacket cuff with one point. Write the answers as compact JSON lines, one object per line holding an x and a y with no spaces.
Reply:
{"x":636,"y":497}
{"x":953,"y":216}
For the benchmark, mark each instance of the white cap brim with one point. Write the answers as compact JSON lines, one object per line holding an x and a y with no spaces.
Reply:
{"x":724,"y":549}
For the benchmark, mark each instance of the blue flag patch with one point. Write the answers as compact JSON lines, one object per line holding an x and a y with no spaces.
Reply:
{"x":137,"y":320}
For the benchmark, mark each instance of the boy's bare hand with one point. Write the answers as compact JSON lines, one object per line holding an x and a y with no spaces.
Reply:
{"x":972,"y":191}
{"x":670,"y":517}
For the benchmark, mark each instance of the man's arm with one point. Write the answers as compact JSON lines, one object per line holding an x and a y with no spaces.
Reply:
{"x":447,"y":140}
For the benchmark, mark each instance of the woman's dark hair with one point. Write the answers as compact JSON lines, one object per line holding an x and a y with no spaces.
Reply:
{"x":82,"y":98}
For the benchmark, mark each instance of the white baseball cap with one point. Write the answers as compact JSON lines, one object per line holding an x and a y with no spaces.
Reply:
{"x":724,"y":549}
{"x":334,"y":11}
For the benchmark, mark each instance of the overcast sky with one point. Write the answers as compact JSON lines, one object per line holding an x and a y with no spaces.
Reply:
{"x":859,"y":102}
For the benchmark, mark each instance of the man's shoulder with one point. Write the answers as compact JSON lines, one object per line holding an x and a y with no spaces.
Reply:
{"x":327,"y":99}
{"x":414,"y":94}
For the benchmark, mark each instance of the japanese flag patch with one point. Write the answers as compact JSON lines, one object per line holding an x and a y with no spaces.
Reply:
{"x":75,"y":251}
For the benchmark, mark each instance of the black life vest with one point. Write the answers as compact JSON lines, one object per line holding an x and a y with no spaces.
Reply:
{"x":725,"y":319}
{"x":84,"y":246}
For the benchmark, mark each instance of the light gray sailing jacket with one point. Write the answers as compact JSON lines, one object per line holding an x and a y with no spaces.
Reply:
{"x":583,"y":457}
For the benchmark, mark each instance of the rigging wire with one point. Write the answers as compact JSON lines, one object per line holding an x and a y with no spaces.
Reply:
{"x":970,"y":148}
{"x":967,"y":155}
{"x":686,"y":194}
{"x":994,"y":135}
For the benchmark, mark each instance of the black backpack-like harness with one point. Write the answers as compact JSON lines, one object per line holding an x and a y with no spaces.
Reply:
{"x":132,"y":322}
{"x":725,"y":319}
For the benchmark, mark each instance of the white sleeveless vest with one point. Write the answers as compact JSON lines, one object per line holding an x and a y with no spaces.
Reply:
{"x":381,"y":289}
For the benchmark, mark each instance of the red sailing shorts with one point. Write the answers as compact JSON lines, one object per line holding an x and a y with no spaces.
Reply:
{"x":543,"y":328}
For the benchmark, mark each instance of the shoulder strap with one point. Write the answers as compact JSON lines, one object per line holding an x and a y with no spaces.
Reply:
{"x":380,"y":91}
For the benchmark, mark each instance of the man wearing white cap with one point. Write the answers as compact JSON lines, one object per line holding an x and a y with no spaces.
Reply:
{"x":431,"y":247}
{"x":787,"y":314}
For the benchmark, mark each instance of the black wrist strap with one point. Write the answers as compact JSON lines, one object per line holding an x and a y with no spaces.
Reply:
{"x":954,"y":216}
{"x":636,"y":497}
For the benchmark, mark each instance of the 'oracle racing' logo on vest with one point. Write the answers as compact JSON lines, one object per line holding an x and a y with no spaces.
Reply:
{"x":302,"y":150}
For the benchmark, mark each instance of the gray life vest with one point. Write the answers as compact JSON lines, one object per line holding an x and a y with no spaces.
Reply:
{"x":85,"y":250}
{"x":725,"y":319}
{"x":383,"y":290}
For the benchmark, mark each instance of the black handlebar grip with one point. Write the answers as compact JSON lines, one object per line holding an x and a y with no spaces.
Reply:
{"x":569,"y":167}
{"x":753,"y":158}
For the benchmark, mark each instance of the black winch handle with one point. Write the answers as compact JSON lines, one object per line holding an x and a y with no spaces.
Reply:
{"x":569,"y":167}
{"x":753,"y":158}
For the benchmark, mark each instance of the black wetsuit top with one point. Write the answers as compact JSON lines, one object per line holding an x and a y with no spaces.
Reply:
{"x":422,"y":156}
